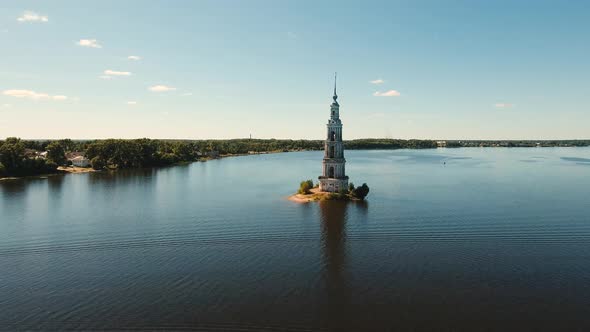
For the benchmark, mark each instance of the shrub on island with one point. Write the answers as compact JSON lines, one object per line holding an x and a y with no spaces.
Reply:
{"x":305,"y":187}
{"x":360,"y":192}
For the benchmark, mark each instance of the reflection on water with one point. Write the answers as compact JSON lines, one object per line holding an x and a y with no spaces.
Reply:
{"x":333,"y":222}
{"x":449,"y":239}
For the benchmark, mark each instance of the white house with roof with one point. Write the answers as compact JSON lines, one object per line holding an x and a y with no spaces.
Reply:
{"x":80,"y":161}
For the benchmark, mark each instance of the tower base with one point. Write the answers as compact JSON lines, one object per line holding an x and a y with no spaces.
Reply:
{"x":332,"y":184}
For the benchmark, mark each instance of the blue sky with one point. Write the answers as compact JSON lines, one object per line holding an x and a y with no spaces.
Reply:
{"x":228,"y":69}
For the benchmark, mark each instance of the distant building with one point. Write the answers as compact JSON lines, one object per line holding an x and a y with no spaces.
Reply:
{"x":441,"y":144}
{"x":73,"y":154}
{"x":30,"y":153}
{"x":333,"y":177}
{"x":34,"y":154}
{"x":80,"y":161}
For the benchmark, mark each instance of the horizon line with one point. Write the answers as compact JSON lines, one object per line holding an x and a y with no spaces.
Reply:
{"x":302,"y":139}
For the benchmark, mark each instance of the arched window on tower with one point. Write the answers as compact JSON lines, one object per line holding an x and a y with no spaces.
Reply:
{"x":331,"y":155}
{"x":331,"y":172}
{"x":332,"y":136}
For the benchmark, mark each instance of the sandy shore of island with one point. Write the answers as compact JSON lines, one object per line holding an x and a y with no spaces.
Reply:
{"x":316,"y":195}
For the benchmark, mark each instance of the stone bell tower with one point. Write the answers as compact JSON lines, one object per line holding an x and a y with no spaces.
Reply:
{"x":333,"y":177}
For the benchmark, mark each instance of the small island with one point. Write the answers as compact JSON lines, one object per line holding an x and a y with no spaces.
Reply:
{"x":309,"y":193}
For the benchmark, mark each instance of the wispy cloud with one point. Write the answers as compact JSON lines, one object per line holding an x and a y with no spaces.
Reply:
{"x":105,"y":77}
{"x":503,"y":105}
{"x":388,"y":93}
{"x":161,"y":88}
{"x":89,"y":43}
{"x":187,"y":94}
{"x":377,"y":81}
{"x":131,"y":103}
{"x":29,"y":94}
{"x":30,"y":16}
{"x":134,"y":57}
{"x":110,"y":72}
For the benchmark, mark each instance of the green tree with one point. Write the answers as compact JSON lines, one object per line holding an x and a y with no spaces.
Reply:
{"x":67,"y":144}
{"x":361,"y":192}
{"x":12,"y":153}
{"x":305,"y":187}
{"x":97,"y":163}
{"x":184,"y":151}
{"x":56,"y":153}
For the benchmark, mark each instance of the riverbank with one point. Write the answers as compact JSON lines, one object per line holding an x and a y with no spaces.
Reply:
{"x":250,"y":153}
{"x":61,"y":170}
{"x":80,"y":170}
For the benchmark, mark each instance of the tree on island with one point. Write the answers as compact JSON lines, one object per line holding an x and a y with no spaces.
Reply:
{"x":360,"y":192}
{"x":305,"y":187}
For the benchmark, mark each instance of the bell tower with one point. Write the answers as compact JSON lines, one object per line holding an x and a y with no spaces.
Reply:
{"x":333,"y":177}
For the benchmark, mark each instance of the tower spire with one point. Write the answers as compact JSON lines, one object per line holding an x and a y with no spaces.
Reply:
{"x":335,"y":95}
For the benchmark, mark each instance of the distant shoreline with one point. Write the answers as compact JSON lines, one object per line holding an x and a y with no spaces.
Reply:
{"x":63,"y":170}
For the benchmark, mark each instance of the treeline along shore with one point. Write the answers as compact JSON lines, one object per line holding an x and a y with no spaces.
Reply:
{"x":19,"y":157}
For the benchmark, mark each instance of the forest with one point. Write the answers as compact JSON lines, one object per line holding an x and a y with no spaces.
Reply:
{"x":19,"y":157}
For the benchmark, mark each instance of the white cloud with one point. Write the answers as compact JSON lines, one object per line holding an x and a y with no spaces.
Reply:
{"x":161,"y":88}
{"x":6,"y":105}
{"x":32,"y":95}
{"x":377,"y":81}
{"x":503,"y":105}
{"x":131,"y":103}
{"x":134,"y":57}
{"x":187,"y":94}
{"x":389,"y":93}
{"x":29,"y":16}
{"x":110,"y":72}
{"x":89,"y":43}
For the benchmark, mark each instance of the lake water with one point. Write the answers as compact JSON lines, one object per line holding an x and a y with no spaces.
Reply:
{"x":448,"y":239}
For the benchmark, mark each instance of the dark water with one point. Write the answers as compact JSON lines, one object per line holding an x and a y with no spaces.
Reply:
{"x":449,"y":239}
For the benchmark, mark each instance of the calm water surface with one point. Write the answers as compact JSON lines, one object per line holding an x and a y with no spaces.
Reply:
{"x":449,"y":239}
